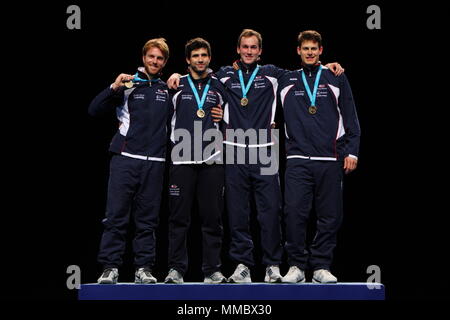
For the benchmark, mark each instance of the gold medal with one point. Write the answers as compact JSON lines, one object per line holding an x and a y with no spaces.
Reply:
{"x":312,"y":109}
{"x":244,"y":102}
{"x":200,"y":113}
{"x":129,"y":84}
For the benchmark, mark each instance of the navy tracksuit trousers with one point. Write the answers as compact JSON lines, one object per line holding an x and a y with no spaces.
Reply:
{"x":205,"y":184}
{"x":135,"y":187}
{"x":242,"y":180}
{"x":308,"y":183}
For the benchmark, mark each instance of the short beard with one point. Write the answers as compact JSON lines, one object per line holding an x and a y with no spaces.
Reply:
{"x":149,"y":73}
{"x":199,"y":72}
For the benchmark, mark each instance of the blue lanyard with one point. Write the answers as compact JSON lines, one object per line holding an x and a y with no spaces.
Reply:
{"x":201,"y":102}
{"x":241,"y":79}
{"x":137,"y":79}
{"x":312,"y":96}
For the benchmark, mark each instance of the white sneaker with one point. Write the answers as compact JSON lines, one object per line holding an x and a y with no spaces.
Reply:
{"x":240,"y":275}
{"x":109,"y":276}
{"x":143,"y":275}
{"x":272,"y":274}
{"x":323,"y":276}
{"x":216,"y":277}
{"x":174,"y":277}
{"x":294,"y":275}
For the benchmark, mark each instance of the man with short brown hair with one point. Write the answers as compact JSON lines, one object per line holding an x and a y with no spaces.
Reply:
{"x":322,"y":143}
{"x":198,"y":177}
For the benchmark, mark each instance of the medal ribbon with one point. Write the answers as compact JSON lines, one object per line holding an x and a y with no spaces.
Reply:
{"x":249,"y":83}
{"x":201,"y":102}
{"x":137,"y":79}
{"x":312,"y":96}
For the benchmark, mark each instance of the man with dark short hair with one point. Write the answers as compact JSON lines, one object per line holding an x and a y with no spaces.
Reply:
{"x":196,"y":174}
{"x":322,"y":142}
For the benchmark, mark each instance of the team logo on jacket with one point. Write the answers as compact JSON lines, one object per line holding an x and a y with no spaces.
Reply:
{"x":211,"y":97}
{"x":259,"y":82}
{"x":140,"y":96}
{"x":161,"y":95}
{"x":174,"y":190}
{"x":322,"y":91}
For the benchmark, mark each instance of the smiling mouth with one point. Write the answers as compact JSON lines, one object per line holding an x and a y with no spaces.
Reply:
{"x":153,"y":69}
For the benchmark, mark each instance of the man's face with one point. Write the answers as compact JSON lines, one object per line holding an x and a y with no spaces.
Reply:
{"x":249,"y":49}
{"x":153,"y":61}
{"x":310,"y":52}
{"x":199,"y":60}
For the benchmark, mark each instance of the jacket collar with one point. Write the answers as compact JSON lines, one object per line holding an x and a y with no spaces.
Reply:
{"x":143,"y":75}
{"x":246,"y":67}
{"x":311,"y":69}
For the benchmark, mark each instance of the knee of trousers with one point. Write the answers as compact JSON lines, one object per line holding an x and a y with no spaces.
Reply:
{"x":119,"y":228}
{"x":216,"y":230}
{"x":331,"y":223}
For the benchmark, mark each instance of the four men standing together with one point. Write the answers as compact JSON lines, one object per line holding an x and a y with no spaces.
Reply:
{"x":322,"y":140}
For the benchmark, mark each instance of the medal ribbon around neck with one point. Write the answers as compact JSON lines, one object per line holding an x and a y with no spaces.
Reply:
{"x":129,"y":84}
{"x":312,"y":96}
{"x":244,"y":88}
{"x":201,"y":102}
{"x":138,"y":79}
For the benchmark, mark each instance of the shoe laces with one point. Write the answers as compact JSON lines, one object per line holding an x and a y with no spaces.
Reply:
{"x":217,"y":276}
{"x":107,"y":271}
{"x":272,"y":268}
{"x":324,"y":273}
{"x":147,"y":272}
{"x":293,"y":270}
{"x":173,"y":273}
{"x":241,"y":267}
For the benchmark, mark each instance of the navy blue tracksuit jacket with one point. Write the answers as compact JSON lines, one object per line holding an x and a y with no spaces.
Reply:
{"x":136,"y":167}
{"x":316,"y":145}
{"x":185,"y":117}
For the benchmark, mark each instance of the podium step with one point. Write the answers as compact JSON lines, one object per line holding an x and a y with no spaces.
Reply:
{"x":252,"y":291}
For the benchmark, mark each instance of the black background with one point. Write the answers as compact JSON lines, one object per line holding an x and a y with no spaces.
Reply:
{"x":57,"y":160}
